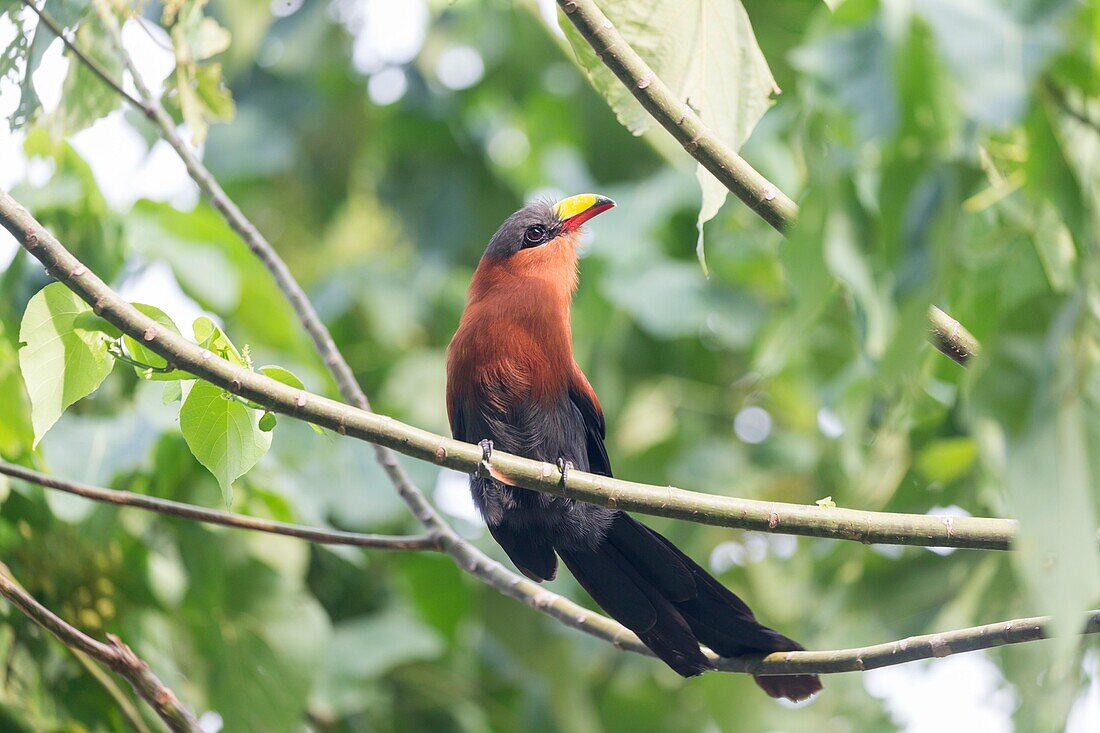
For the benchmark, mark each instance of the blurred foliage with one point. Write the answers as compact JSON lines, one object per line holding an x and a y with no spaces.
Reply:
{"x":942,"y":152}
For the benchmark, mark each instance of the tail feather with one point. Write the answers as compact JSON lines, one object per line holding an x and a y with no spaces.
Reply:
{"x":615,"y":584}
{"x":673,"y":604}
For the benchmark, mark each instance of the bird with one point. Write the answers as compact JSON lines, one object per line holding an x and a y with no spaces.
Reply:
{"x":513,"y":384}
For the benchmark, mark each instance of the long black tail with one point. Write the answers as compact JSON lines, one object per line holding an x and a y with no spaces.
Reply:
{"x":673,"y":605}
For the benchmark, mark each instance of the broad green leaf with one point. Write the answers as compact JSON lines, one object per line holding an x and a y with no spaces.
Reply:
{"x":139,"y":352}
{"x":200,"y":91}
{"x":16,"y":434}
{"x":84,"y":96}
{"x":222,"y":433}
{"x":210,"y":336}
{"x":947,"y":459}
{"x":65,"y":13}
{"x":706,"y":52}
{"x":65,"y":354}
{"x":173,"y":392}
{"x":279,"y":374}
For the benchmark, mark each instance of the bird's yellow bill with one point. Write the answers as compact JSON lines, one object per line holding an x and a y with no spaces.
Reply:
{"x":578,"y":209}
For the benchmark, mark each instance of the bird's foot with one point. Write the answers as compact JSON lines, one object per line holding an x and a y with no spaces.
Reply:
{"x":484,"y":469}
{"x":565,"y":467}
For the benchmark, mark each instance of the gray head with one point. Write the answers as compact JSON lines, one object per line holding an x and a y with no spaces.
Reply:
{"x":541,"y":222}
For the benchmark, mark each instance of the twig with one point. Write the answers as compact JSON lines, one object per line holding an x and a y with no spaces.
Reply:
{"x":951,"y":337}
{"x":125,"y":705}
{"x":213,"y":516}
{"x":114,"y":654}
{"x":681,"y":121}
{"x":869,"y":527}
{"x":822,"y":662}
{"x":323,"y":342}
{"x":88,"y":61}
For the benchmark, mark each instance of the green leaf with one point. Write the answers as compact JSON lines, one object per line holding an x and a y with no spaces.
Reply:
{"x":707,"y":54}
{"x":267,"y":422}
{"x":84,"y":96}
{"x":65,"y":355}
{"x":210,"y":336}
{"x":16,"y":434}
{"x":173,"y":392}
{"x":223,"y":434}
{"x":139,"y":352}
{"x":65,"y":13}
{"x":947,"y":459}
{"x":279,"y":374}
{"x":215,"y":96}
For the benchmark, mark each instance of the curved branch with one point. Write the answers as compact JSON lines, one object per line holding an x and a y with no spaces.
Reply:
{"x":723,"y":162}
{"x":323,"y":342}
{"x":868,"y":527}
{"x":212,"y":516}
{"x":45,"y":19}
{"x":914,"y":648}
{"x":114,"y":654}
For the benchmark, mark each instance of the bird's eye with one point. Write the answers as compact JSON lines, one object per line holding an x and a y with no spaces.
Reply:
{"x":535,"y":234}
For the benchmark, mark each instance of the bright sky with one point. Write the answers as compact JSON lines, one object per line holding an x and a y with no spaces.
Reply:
{"x":965,"y":692}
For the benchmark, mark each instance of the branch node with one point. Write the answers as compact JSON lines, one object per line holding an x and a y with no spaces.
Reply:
{"x":30,"y":240}
{"x":773,"y":520}
{"x":78,"y":271}
{"x":441,"y":453}
{"x":693,"y":144}
{"x":235,"y":385}
{"x":205,"y":355}
{"x":300,"y":400}
{"x":646,"y":80}
{"x":149,"y":334}
{"x":570,"y":7}
{"x":770,"y":192}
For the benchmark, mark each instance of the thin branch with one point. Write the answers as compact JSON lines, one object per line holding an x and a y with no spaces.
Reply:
{"x":114,"y":654}
{"x":868,"y":527}
{"x":212,"y":516}
{"x":1015,"y":631}
{"x":45,"y":19}
{"x":951,"y":337}
{"x":323,"y":342}
{"x":681,"y":121}
{"x":125,"y":705}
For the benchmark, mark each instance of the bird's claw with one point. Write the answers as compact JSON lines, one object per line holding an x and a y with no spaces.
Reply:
{"x":483,"y":468}
{"x":565,"y":467}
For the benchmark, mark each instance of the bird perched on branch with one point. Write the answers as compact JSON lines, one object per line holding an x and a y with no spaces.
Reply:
{"x":512,"y":384}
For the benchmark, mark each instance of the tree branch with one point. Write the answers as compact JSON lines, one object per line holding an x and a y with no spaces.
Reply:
{"x":45,"y":19}
{"x":323,"y":342}
{"x":868,"y":527}
{"x":116,"y":655}
{"x":1015,"y":631}
{"x":723,"y":162}
{"x":951,"y":337}
{"x":212,"y":516}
